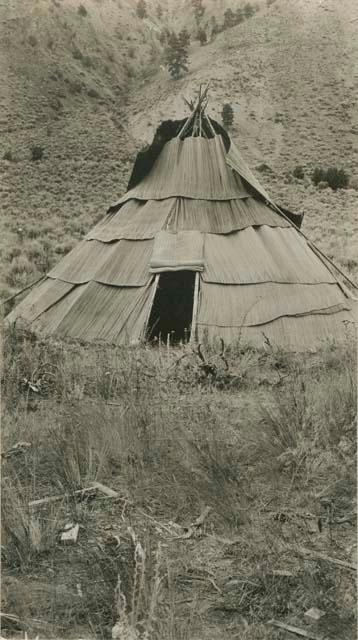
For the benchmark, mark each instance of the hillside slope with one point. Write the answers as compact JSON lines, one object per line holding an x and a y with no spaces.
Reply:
{"x":67,"y":76}
{"x":86,"y":83}
{"x":291,"y":75}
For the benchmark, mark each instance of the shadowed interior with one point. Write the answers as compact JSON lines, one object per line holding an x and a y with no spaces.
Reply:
{"x":172,"y":307}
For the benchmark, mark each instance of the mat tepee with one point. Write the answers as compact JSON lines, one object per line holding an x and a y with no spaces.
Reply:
{"x":196,"y":246}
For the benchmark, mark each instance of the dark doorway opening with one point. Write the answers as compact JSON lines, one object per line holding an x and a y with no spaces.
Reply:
{"x":172,"y":309}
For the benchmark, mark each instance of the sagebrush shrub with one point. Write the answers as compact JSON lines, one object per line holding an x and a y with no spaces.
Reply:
{"x":77,"y":54}
{"x":227,"y":116}
{"x":75,"y":87}
{"x":202,"y":37}
{"x":8,"y":156}
{"x":37,"y":152}
{"x":298,"y":172}
{"x":335,"y":178}
{"x":92,"y":93}
{"x":82,"y":11}
{"x":141,"y":9}
{"x":19,"y":271}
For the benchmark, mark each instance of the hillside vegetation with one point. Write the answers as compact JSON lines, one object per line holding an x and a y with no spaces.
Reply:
{"x":89,"y":86}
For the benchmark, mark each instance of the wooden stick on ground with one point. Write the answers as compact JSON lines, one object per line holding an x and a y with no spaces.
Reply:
{"x":199,"y":521}
{"x":300,"y":632}
{"x":159,"y":524}
{"x":314,"y":555}
{"x":103,"y":489}
{"x":79,"y":493}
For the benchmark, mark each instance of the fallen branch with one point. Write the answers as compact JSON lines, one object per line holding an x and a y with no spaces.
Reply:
{"x":296,"y":630}
{"x":314,"y":555}
{"x":80,"y":493}
{"x":213,"y":583}
{"x":200,"y":520}
{"x":106,"y":490}
{"x":192,"y":529}
{"x":11,"y":617}
{"x":344,"y":519}
{"x":159,"y":524}
{"x":291,"y":513}
{"x":88,"y":492}
{"x":16,"y":449}
{"x":205,"y":579}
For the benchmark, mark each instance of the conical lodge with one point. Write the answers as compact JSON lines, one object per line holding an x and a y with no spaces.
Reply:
{"x":195,"y":247}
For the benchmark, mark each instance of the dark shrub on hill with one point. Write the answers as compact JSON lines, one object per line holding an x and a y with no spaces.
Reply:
{"x":141,"y":9}
{"x":75,"y":87}
{"x":227,"y":116}
{"x":264,"y":168}
{"x":335,"y":178}
{"x":8,"y":156}
{"x":319,"y":175}
{"x":239,"y":15}
{"x":37,"y":152}
{"x":229,"y":19}
{"x":298,"y":172}
{"x":77,"y":54}
{"x":88,"y":62}
{"x":162,"y":36}
{"x":82,"y":11}
{"x":215,"y":28}
{"x":92,"y":93}
{"x":202,"y":37}
{"x":176,"y":57}
{"x":199,"y":9}
{"x":184,"y":37}
{"x":249,"y":10}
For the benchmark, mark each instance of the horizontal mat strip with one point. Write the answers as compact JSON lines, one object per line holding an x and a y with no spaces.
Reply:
{"x":121,"y":263}
{"x":138,"y":220}
{"x":257,"y":304}
{"x":99,"y":312}
{"x":222,"y":217}
{"x":42,"y":297}
{"x":178,"y":250}
{"x":305,"y":333}
{"x":262,"y":254}
{"x":192,"y":168}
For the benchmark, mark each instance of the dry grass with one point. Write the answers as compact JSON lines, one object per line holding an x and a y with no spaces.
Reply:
{"x":260,"y":456}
